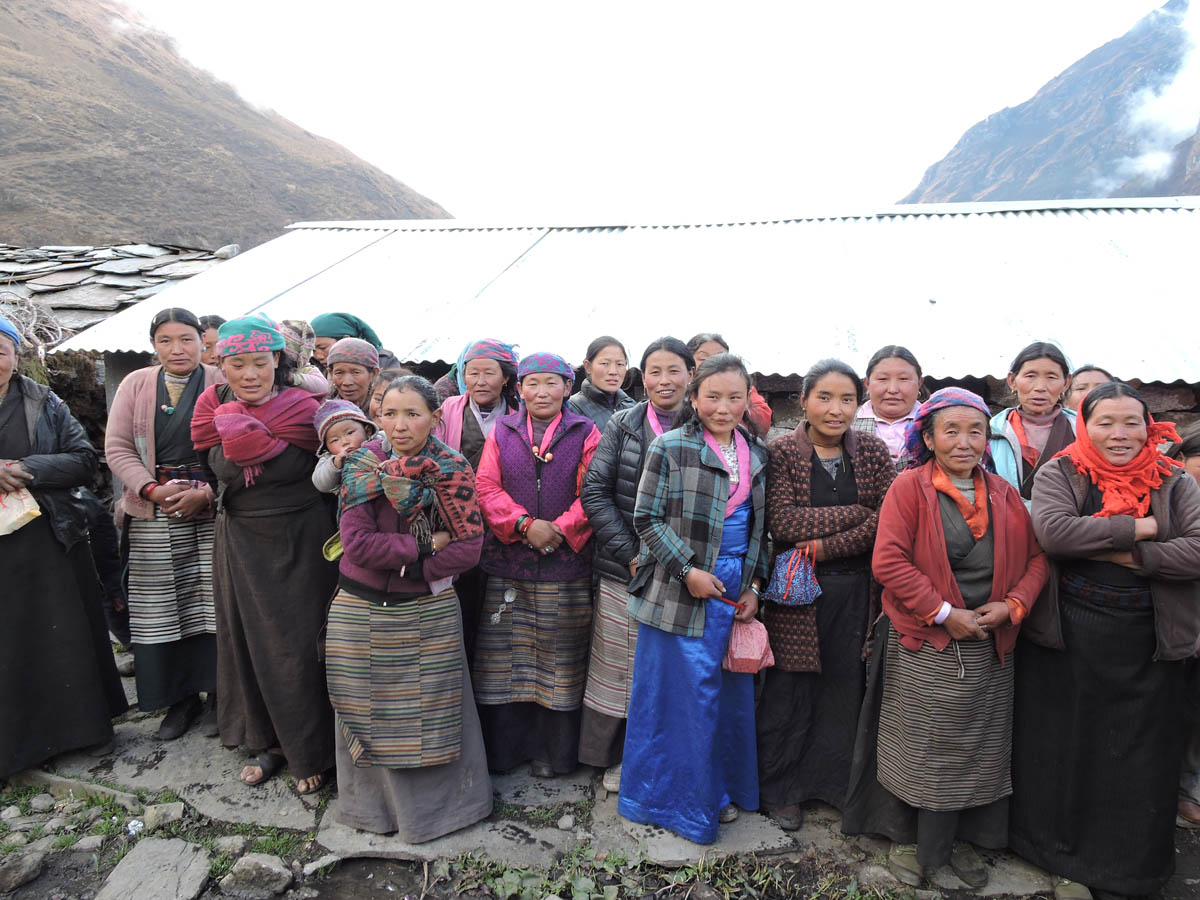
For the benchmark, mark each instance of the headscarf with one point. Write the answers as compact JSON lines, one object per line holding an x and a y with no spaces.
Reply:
{"x":299,"y":341}
{"x":914,"y":443}
{"x":1125,"y":489}
{"x":550,"y":363}
{"x":488,"y":348}
{"x":339,"y":325}
{"x":333,"y":411}
{"x":9,"y":330}
{"x":353,"y":351}
{"x":249,"y":334}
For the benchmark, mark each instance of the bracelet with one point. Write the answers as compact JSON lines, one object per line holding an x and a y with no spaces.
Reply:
{"x":522,"y":525}
{"x":687,"y":567}
{"x":755,"y":590}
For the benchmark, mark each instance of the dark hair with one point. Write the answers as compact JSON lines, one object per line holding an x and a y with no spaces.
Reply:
{"x":893,"y":351}
{"x":717,"y":364}
{"x":829,"y":367}
{"x":1111,"y":391}
{"x":1189,"y":446}
{"x":703,"y":338}
{"x":387,"y":376}
{"x":670,"y":345}
{"x":417,"y":385}
{"x":284,"y":370}
{"x":605,"y":340}
{"x":175,"y":314}
{"x":1090,"y":368}
{"x":1041,"y":350}
{"x":207,"y":322}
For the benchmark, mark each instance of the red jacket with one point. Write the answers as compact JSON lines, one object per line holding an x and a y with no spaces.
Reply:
{"x":910,"y":558}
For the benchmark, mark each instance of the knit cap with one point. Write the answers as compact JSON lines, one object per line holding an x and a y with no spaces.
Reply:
{"x":333,"y":411}
{"x":354,"y":351}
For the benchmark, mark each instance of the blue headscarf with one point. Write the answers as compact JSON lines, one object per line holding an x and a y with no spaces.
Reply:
{"x":9,"y":330}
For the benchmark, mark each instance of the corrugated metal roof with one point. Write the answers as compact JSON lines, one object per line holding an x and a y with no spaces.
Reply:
{"x":964,"y":286}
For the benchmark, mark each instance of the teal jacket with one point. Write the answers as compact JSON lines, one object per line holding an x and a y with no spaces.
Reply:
{"x":1006,"y":449}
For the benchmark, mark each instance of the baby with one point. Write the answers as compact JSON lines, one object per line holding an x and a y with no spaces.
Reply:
{"x":342,"y":428}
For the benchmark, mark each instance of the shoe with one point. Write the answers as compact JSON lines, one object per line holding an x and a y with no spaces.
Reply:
{"x":728,"y":813}
{"x":1187,"y":814}
{"x":539,"y":769}
{"x":1066,"y":889}
{"x":612,"y":779}
{"x":968,"y":866}
{"x":208,"y":721}
{"x":789,"y":817}
{"x":179,"y":718}
{"x":102,"y":749}
{"x":902,"y":863}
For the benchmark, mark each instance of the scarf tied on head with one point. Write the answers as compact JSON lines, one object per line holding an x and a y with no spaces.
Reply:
{"x":353,"y":351}
{"x":339,"y":325}
{"x":250,"y":334}
{"x":914,"y":441}
{"x":1125,"y":489}
{"x":487,"y":348}
{"x":252,"y":435}
{"x":552,"y":363}
{"x":436,"y":478}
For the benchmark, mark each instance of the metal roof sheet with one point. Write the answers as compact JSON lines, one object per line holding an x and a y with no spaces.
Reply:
{"x":964,"y":286}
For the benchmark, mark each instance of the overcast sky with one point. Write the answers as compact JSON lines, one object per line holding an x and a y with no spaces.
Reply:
{"x":566,"y":112}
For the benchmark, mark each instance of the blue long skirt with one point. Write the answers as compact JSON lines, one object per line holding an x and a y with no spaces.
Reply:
{"x":689,"y":740}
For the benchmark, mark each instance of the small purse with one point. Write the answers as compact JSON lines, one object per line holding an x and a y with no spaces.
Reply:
{"x":332,"y":548}
{"x":793,"y":581}
{"x":749,"y":650}
{"x":17,"y":508}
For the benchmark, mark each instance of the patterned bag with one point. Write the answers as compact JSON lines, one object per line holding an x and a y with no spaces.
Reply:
{"x":793,"y":581}
{"x":749,"y":650}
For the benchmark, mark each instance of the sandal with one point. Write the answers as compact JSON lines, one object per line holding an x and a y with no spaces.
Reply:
{"x":321,"y":778}
{"x":268,"y":763}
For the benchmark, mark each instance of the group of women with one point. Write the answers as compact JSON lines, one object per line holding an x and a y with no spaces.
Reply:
{"x":981,"y":624}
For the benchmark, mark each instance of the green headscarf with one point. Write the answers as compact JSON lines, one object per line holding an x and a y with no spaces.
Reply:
{"x":338,"y":325}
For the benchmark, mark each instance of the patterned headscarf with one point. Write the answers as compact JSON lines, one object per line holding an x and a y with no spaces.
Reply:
{"x":355,"y":351}
{"x":488,"y":348}
{"x":546,"y":362}
{"x":339,"y":325}
{"x":299,"y":341}
{"x":914,"y":443}
{"x":249,"y":334}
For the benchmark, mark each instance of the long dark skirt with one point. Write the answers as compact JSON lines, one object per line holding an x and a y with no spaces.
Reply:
{"x":57,"y":674}
{"x":873,"y":809}
{"x":807,"y":721}
{"x":1098,"y":739}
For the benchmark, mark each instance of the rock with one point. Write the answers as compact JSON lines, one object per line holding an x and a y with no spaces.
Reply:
{"x":233,"y":844}
{"x":43,"y":844}
{"x":257,"y":875}
{"x":89,"y":844}
{"x":55,"y":825}
{"x":703,"y":891}
{"x":14,"y":839}
{"x":873,"y":875}
{"x":312,"y":868}
{"x":18,"y":870}
{"x":71,"y":787}
{"x":73,"y":807}
{"x":229,"y":251}
{"x":42,"y":803}
{"x":161,"y":814}
{"x":158,"y":868}
{"x":566,"y":823}
{"x":302,"y":893}
{"x":10,"y":812}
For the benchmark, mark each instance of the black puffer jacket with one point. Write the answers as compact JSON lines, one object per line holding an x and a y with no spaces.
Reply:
{"x":610,"y":490}
{"x":597,"y":405}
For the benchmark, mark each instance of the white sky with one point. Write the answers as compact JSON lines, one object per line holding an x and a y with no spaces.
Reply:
{"x":567,"y":112}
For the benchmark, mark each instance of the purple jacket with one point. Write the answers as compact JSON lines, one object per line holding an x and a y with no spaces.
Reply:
{"x":376,"y":545}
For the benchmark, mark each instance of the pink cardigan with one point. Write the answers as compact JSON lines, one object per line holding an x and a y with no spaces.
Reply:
{"x":449,"y":429}
{"x":129,"y":438}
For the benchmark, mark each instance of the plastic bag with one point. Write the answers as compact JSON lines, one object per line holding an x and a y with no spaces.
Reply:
{"x":749,"y":650}
{"x":17,"y":508}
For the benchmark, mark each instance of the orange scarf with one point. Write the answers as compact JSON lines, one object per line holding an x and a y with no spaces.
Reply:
{"x":1028,"y":451}
{"x":1125,"y":489}
{"x":976,"y":514}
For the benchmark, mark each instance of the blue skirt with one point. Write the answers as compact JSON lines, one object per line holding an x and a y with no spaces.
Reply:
{"x":689,"y":740}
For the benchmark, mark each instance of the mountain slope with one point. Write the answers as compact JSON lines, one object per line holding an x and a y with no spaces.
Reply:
{"x":109,"y":135}
{"x":1072,"y":138}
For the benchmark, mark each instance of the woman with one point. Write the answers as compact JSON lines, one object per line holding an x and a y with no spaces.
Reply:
{"x":893,"y":389}
{"x":689,"y":744}
{"x":352,"y":366}
{"x":209,"y":325}
{"x":1083,"y":380}
{"x":531,"y":656}
{"x":708,"y":344}
{"x":299,"y":343}
{"x":609,"y":495}
{"x":825,"y":484}
{"x":600,"y":395}
{"x":378,"y":388}
{"x":1187,"y":451}
{"x":410,"y":755}
{"x":271,"y":583}
{"x":1026,"y":437}
{"x":332,"y":327}
{"x":960,"y":568}
{"x":57,"y":675}
{"x":487,"y":373}
{"x":1101,"y":711}
{"x":166,"y":516}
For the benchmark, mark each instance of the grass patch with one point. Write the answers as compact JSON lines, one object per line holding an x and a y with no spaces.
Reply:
{"x":19,"y":797}
{"x":544,"y":816}
{"x":37,"y":831}
{"x":167,"y":797}
{"x":219,"y":866}
{"x":63,"y":841}
{"x":109,"y":826}
{"x":277,"y":842}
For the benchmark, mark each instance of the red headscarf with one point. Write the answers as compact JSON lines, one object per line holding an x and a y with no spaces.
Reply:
{"x":1125,"y":489}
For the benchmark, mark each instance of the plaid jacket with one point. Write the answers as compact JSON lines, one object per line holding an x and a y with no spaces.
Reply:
{"x":679,"y":515}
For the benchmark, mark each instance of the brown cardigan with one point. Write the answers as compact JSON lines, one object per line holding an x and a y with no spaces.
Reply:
{"x":1171,"y":561}
{"x":845,"y":531}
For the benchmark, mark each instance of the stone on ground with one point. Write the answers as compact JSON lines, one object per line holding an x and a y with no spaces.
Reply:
{"x":566,"y":823}
{"x":522,"y":789}
{"x":312,"y":868}
{"x":89,"y":844}
{"x":161,"y":814}
{"x":158,"y":867}
{"x":14,"y":839}
{"x":10,"y":812}
{"x":60,"y":786}
{"x":42,"y":803}
{"x":873,"y":875}
{"x":18,"y":870}
{"x":233,"y":844}
{"x":257,"y":875}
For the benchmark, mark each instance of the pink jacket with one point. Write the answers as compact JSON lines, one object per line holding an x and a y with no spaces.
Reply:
{"x":129,"y":438}
{"x":449,"y":430}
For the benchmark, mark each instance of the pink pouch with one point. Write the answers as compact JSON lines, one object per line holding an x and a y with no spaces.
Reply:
{"x":749,"y":650}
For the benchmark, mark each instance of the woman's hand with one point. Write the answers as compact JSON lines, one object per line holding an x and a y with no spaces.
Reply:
{"x":702,"y":585}
{"x":1145,"y":529}
{"x":963,"y":625}
{"x":817,"y":547}
{"x":991,"y":616}
{"x":13,"y":476}
{"x":187,"y":503}
{"x":543,"y":536}
{"x":633,"y":564}
{"x":441,"y":540}
{"x":163,"y":493}
{"x":749,"y":602}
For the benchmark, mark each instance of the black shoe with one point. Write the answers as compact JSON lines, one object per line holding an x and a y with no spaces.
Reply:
{"x":208,"y":721}
{"x":179,"y":718}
